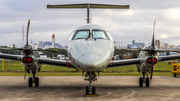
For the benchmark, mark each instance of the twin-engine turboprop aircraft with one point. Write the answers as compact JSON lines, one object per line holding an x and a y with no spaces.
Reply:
{"x":91,"y":49}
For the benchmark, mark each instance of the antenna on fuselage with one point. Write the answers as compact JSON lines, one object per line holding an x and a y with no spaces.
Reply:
{"x":88,"y":6}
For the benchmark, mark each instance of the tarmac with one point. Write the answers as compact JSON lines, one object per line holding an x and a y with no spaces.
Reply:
{"x":72,"y":88}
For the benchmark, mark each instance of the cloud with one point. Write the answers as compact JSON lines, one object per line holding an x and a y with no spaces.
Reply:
{"x":124,"y":25}
{"x":172,"y":14}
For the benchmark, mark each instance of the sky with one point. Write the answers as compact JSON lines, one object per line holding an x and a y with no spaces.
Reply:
{"x":123,"y":24}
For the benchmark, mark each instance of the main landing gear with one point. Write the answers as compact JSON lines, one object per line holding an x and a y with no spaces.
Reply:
{"x":90,"y":76}
{"x":33,"y":80}
{"x":144,"y":80}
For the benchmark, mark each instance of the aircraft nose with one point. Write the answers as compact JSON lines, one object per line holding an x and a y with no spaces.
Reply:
{"x":91,"y":60}
{"x":94,"y":61}
{"x":91,"y":55}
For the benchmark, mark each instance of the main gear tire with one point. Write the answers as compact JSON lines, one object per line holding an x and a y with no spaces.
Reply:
{"x":140,"y":82}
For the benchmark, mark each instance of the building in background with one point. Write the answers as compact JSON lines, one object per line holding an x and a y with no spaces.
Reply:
{"x":166,"y":46}
{"x":47,"y":45}
{"x":14,"y":46}
{"x":129,"y":46}
{"x":57,"y":45}
{"x":157,"y":43}
{"x":31,"y":42}
{"x":135,"y":45}
{"x":41,"y":44}
{"x":36,"y":45}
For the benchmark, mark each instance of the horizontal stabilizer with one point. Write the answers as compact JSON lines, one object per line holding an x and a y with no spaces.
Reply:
{"x":95,"y":6}
{"x":88,"y":6}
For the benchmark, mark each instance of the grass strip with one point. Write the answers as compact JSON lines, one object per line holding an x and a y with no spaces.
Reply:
{"x":80,"y":74}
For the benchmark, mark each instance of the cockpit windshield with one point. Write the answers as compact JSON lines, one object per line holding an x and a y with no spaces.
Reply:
{"x":99,"y":34}
{"x":81,"y":34}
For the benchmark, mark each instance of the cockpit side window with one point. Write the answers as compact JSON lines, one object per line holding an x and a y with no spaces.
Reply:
{"x":99,"y":34}
{"x":81,"y":34}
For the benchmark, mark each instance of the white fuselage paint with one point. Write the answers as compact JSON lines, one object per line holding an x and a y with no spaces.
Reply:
{"x":90,"y":54}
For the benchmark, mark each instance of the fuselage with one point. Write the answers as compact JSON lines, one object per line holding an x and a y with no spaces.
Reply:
{"x":90,"y":48}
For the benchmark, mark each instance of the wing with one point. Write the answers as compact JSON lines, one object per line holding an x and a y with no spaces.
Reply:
{"x":170,"y":50}
{"x":62,"y":63}
{"x":132,"y":49}
{"x":169,"y":57}
{"x":12,"y":57}
{"x":118,"y":63}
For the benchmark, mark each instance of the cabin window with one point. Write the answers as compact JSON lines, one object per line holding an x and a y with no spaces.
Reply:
{"x":99,"y":34}
{"x":81,"y":34}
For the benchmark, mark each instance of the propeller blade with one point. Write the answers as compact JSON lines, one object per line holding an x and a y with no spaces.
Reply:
{"x":27,"y":32}
{"x":152,"y":68}
{"x":26,"y":59}
{"x":152,"y":44}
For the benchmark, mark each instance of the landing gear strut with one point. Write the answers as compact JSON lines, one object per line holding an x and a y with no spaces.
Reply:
{"x":90,"y":76}
{"x":34,"y":80}
{"x":144,"y":80}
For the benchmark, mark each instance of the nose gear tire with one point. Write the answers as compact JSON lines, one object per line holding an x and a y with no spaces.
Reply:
{"x":87,"y":90}
{"x":93,"y":90}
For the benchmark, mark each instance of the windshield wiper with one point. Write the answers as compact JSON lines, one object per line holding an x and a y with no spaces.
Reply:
{"x":99,"y":38}
{"x":79,"y":38}
{"x":86,"y":39}
{"x":91,"y":38}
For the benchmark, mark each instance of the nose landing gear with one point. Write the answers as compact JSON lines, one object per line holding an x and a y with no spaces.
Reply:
{"x":33,"y":80}
{"x":90,"y":76}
